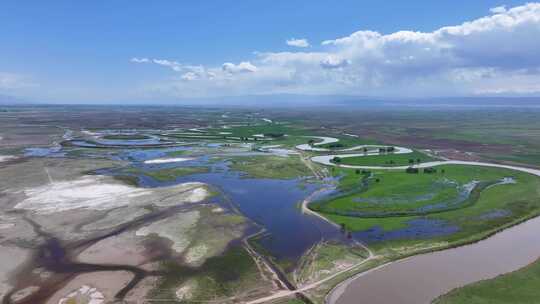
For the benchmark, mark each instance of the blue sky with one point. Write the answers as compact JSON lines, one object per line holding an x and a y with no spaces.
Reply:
{"x":84,"y":51}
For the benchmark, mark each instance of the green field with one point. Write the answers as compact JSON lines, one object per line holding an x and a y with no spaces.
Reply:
{"x":397,"y":193}
{"x":321,"y":260}
{"x":387,"y":160}
{"x":168,"y":174}
{"x":220,"y":276}
{"x":494,"y":207}
{"x":266,"y":128}
{"x":346,"y":142}
{"x":282,"y":134}
{"x":275,"y":167}
{"x":518,"y":287}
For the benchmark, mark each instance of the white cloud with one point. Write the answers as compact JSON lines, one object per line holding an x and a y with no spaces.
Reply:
{"x":332,"y":62}
{"x":498,"y":10}
{"x":139,"y":60}
{"x":175,"y":66}
{"x":301,"y":43}
{"x":189,"y":76}
{"x":11,"y":81}
{"x":242,"y":67}
{"x":496,"y":53}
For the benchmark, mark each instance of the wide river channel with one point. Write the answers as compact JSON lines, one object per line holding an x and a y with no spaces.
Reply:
{"x":422,"y":278}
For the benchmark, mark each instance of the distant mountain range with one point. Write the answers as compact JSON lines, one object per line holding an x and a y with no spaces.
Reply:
{"x":294,"y":100}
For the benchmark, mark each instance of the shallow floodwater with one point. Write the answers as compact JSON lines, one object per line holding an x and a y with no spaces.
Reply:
{"x":422,"y":278}
{"x":274,"y":204}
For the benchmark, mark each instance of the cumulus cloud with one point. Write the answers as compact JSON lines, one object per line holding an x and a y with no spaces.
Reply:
{"x":495,"y":53}
{"x":332,"y":62}
{"x":242,"y":67}
{"x":301,"y":43}
{"x":189,"y":76}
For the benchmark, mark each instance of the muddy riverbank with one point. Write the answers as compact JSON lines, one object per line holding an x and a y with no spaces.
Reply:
{"x":420,"y":279}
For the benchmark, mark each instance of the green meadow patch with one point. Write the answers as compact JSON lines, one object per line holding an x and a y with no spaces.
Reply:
{"x":276,"y":167}
{"x":221,"y":276}
{"x":387,"y":160}
{"x":495,"y":204}
{"x":168,"y":174}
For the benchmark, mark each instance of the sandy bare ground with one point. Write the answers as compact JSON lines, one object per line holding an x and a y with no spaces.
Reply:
{"x":16,"y":256}
{"x":95,"y":285}
{"x":122,"y":249}
{"x":306,"y":210}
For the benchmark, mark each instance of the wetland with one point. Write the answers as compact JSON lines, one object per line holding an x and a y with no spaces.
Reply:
{"x":244,"y":209}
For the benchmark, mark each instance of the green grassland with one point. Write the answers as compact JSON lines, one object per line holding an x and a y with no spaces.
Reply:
{"x":275,"y":167}
{"x":168,"y":174}
{"x":492,"y":133}
{"x":292,"y":134}
{"x":516,"y":201}
{"x":227,"y":270}
{"x":275,"y":133}
{"x":323,"y":260}
{"x":518,"y":287}
{"x":399,"y":193}
{"x":346,"y":142}
{"x":232,"y":273}
{"x":387,"y":160}
{"x":285,"y":134}
{"x":266,"y":128}
{"x":178,"y":153}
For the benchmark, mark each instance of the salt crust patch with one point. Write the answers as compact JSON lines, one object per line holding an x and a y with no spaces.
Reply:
{"x":167,"y":160}
{"x":96,"y":192}
{"x":85,"y":192}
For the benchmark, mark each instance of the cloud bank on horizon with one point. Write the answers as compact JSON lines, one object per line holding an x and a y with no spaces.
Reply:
{"x":495,"y":54}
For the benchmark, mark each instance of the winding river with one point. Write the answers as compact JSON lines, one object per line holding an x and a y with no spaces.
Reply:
{"x":422,"y":278}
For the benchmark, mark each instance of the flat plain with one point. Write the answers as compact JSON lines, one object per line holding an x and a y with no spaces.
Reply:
{"x":226,"y":204}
